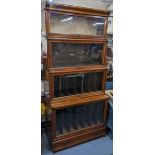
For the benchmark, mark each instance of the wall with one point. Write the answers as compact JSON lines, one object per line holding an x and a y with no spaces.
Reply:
{"x":84,"y":3}
{"x":110,"y":20}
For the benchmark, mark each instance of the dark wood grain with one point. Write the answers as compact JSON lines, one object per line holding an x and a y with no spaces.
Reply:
{"x":47,"y":24}
{"x":106,"y":108}
{"x":51,"y":87}
{"x":105,"y":27}
{"x":104,"y":58}
{"x":104,"y":80}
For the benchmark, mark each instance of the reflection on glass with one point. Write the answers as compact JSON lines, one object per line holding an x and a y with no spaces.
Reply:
{"x":77,"y":84}
{"x":70,"y":24}
{"x":78,"y":117}
{"x":75,"y":54}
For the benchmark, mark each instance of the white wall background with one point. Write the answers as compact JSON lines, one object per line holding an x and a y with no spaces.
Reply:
{"x":84,"y":3}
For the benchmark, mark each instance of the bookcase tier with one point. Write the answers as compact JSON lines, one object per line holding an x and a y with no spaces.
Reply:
{"x":79,"y":117}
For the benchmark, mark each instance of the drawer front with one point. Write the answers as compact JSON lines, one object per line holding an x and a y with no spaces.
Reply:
{"x":59,"y":145}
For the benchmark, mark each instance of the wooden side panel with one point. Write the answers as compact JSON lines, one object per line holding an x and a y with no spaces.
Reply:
{"x":106,"y":108}
{"x":105,"y":27}
{"x":47,"y":21}
{"x":51,"y":87}
{"x":104,"y":80}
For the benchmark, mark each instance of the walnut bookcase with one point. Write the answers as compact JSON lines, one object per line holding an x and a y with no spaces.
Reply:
{"x":76,"y":45}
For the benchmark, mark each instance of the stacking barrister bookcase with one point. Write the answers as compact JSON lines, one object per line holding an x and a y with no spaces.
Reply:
{"x":77,"y":44}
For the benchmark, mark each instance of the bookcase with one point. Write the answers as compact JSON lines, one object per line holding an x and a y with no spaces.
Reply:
{"x":77,"y":67}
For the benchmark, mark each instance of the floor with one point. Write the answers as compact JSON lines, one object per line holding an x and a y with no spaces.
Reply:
{"x":100,"y":146}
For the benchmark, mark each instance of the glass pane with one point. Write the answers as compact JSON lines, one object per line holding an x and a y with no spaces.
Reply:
{"x":77,"y":84}
{"x":71,"y":24}
{"x":74,"y":54}
{"x":59,"y":123}
{"x":79,"y":117}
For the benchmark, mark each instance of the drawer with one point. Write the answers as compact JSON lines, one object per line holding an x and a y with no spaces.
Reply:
{"x":65,"y":143}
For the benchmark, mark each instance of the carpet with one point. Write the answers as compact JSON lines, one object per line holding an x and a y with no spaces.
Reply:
{"x":100,"y":146}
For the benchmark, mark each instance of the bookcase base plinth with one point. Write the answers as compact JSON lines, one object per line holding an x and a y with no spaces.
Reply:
{"x":79,"y":137}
